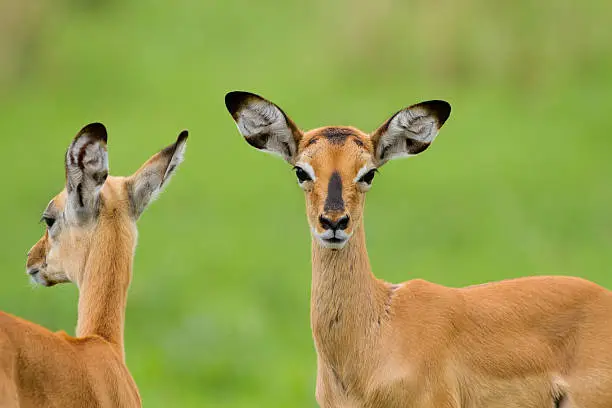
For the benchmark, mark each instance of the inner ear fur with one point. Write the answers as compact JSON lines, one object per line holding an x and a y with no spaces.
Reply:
{"x":86,"y":166}
{"x":410,"y":131}
{"x":148,"y":181}
{"x":263,"y":124}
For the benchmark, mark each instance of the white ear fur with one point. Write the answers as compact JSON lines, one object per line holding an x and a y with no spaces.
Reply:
{"x":410,"y":131}
{"x":263,"y":124}
{"x":86,"y":170}
{"x":146,"y":184}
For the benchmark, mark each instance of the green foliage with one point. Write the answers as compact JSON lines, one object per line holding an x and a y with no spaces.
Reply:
{"x":518,"y":182}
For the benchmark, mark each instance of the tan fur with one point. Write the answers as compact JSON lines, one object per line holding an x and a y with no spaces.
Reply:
{"x":518,"y":343}
{"x":39,"y":368}
{"x":538,"y":342}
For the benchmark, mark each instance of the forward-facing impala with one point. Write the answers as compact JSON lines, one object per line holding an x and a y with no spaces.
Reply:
{"x":90,"y":240}
{"x":539,"y":342}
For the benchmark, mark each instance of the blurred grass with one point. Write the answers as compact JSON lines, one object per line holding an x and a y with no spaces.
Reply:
{"x":518,"y":182}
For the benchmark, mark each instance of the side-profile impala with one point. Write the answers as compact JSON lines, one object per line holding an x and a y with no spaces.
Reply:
{"x":89,"y":240}
{"x":538,"y":342}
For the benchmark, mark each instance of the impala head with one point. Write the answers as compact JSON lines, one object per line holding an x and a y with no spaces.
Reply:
{"x":93,"y":203}
{"x":335,"y":166}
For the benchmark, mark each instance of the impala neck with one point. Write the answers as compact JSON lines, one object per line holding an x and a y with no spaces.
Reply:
{"x":347,"y":301}
{"x":104,"y":284}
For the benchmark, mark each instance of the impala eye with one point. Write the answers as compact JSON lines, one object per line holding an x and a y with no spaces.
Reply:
{"x":48,"y":220}
{"x":368,"y":177}
{"x":302,"y":175}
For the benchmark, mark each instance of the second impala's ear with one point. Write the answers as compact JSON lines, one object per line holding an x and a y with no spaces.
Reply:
{"x":263,"y":124}
{"x":86,"y":171}
{"x":410,"y":131}
{"x":146,"y":184}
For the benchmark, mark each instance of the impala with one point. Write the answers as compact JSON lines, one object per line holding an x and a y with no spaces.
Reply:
{"x":89,"y":240}
{"x":533,"y":342}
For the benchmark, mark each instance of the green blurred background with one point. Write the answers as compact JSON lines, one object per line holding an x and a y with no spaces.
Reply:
{"x":518,"y":182}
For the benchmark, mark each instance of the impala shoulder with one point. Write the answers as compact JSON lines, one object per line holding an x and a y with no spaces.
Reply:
{"x":421,"y":287}
{"x":428,"y":294}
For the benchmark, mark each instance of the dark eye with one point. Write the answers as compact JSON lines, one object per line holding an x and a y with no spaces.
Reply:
{"x":302,"y":175}
{"x":368,"y":177}
{"x":49,"y":221}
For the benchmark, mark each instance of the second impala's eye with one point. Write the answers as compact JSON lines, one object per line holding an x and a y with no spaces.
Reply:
{"x":49,"y":221}
{"x":302,"y":175}
{"x":368,"y":177}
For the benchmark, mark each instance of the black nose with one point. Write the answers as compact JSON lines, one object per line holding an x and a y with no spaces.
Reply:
{"x":340,"y":224}
{"x":33,"y":271}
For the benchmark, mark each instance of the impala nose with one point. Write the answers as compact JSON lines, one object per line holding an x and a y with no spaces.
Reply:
{"x":329,"y":224}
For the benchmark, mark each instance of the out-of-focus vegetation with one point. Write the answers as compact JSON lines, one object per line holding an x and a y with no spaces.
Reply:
{"x":518,"y":182}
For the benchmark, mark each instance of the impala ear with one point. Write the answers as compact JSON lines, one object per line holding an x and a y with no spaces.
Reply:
{"x":410,"y":131}
{"x":86,"y":171}
{"x":146,"y":184}
{"x":263,"y":124}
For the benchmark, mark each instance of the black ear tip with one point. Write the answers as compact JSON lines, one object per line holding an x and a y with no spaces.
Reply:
{"x":182,"y":136}
{"x":235,"y":99}
{"x":442,"y":109}
{"x":96,"y":131}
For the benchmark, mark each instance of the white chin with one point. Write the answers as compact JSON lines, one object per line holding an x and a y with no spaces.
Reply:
{"x":331,"y":241}
{"x":335,"y":244}
{"x":38,"y":280}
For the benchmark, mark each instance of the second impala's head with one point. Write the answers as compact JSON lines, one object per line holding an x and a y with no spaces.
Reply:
{"x":94,"y":216}
{"x":335,"y":165}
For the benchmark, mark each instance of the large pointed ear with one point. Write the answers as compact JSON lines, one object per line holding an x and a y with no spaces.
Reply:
{"x":86,"y":171}
{"x":410,"y":131}
{"x":263,"y":124}
{"x":153,"y":176}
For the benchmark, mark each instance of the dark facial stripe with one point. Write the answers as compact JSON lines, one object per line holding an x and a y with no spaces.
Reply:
{"x":336,"y":135}
{"x":334,"y":201}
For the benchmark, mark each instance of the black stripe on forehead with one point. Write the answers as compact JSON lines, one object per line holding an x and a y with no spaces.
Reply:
{"x":337,"y":135}
{"x":334,"y":201}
